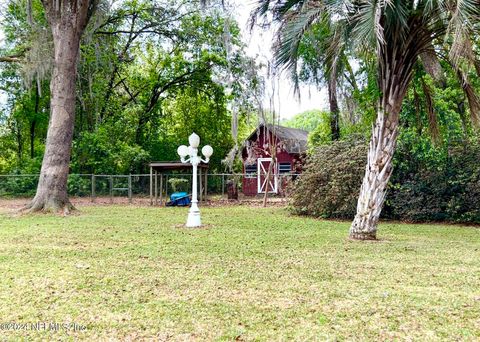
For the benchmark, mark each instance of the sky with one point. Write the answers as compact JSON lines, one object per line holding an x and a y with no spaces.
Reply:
{"x":259,"y":43}
{"x":259,"y":46}
{"x":3,"y":95}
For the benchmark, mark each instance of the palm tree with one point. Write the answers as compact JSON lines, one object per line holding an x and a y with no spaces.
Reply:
{"x":399,"y":34}
{"x":316,"y":66}
{"x":320,"y":66}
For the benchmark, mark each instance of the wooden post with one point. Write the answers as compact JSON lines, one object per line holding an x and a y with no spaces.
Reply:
{"x":161,"y":188}
{"x":223,"y":184}
{"x":200,"y":183}
{"x":111,"y":189}
{"x":166,"y":187}
{"x":93,"y":188}
{"x":206,"y":184}
{"x":130,"y":189}
{"x":151,"y":184}
{"x":156,"y":187}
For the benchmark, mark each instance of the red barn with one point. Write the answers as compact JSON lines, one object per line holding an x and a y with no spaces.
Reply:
{"x":287,"y":145}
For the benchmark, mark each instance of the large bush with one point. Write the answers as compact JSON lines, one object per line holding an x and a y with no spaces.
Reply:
{"x":429,"y":184}
{"x":449,"y":191}
{"x":330,"y":183}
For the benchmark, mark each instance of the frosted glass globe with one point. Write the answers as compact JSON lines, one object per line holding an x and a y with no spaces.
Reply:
{"x":194,"y":140}
{"x":182,"y":151}
{"x":207,"y":151}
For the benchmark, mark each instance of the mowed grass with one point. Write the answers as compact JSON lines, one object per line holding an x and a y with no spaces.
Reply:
{"x":134,"y":273}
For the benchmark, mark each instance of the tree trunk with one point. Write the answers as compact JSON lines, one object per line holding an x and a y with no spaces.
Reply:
{"x":34,"y":122}
{"x":395,"y":74}
{"x":32,"y":138}
{"x":378,"y":171}
{"x":334,"y":110}
{"x":265,"y":197}
{"x":67,"y":19}
{"x":52,"y":186}
{"x":432,"y":66}
{"x":18,"y":135}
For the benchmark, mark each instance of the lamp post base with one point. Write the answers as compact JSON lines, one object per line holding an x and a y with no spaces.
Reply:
{"x":193,"y":219}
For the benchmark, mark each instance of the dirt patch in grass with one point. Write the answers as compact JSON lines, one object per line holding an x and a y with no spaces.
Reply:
{"x":13,"y":204}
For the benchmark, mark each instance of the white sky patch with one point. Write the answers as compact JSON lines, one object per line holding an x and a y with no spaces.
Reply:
{"x":260,"y":47}
{"x":3,"y":95}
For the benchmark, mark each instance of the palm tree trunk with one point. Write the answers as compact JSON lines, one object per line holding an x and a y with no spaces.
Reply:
{"x":334,"y":110}
{"x":395,"y":74}
{"x":378,"y":171}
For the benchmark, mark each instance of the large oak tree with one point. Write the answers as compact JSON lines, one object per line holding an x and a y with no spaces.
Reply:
{"x":68,"y":20}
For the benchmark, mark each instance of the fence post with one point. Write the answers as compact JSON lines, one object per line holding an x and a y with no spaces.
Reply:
{"x":111,"y":189}
{"x":93,"y":188}
{"x":201,"y":183}
{"x":223,"y":184}
{"x":130,"y":188}
{"x":161,"y":188}
{"x":151,"y":186}
{"x":156,"y":187}
{"x":166,"y":187}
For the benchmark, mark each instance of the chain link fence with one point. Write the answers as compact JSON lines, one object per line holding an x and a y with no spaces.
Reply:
{"x":135,"y":185}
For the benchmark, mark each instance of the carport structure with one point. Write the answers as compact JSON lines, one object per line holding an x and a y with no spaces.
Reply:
{"x":163,"y":170}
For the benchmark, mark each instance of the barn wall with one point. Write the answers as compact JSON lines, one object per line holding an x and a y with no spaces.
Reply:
{"x":249,"y":185}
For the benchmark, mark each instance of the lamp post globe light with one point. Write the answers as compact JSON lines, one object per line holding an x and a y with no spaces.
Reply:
{"x":192,"y":153}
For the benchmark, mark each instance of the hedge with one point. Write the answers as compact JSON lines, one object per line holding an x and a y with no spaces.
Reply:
{"x":445,"y":188}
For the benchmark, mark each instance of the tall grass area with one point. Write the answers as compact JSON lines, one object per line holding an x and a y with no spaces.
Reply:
{"x":134,"y":273}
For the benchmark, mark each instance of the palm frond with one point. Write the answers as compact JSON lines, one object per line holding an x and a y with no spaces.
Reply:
{"x":432,"y":65}
{"x":473,"y":102}
{"x":278,"y":9}
{"x":430,"y":110}
{"x":470,"y":93}
{"x":367,"y":23}
{"x":290,"y":34}
{"x":465,"y":14}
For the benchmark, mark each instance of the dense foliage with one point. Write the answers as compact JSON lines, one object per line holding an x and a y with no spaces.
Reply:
{"x":150,"y":73}
{"x":331,"y":178}
{"x":429,"y":183}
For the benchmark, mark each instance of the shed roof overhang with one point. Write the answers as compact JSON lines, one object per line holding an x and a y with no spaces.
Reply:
{"x":174,"y":165}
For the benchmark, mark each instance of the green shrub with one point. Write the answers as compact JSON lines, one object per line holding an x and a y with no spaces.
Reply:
{"x":448,"y":191}
{"x":179,"y":184}
{"x":428,"y":184}
{"x":331,"y":180}
{"x":18,"y":185}
{"x":79,"y":185}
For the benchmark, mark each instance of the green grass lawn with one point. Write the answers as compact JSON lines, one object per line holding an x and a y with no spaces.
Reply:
{"x":134,"y":273}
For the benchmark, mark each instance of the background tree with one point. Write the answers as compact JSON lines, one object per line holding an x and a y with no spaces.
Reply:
{"x":308,"y":120}
{"x":140,"y":65}
{"x":316,"y":122}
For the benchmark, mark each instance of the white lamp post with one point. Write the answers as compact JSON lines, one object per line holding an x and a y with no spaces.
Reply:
{"x":192,"y":152}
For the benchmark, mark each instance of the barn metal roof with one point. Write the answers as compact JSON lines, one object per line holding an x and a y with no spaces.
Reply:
{"x":294,"y":140}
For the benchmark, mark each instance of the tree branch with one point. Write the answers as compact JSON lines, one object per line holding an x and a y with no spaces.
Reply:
{"x":16,"y":58}
{"x":10,"y":59}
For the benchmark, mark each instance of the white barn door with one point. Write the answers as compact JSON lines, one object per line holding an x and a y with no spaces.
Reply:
{"x":264,"y":184}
